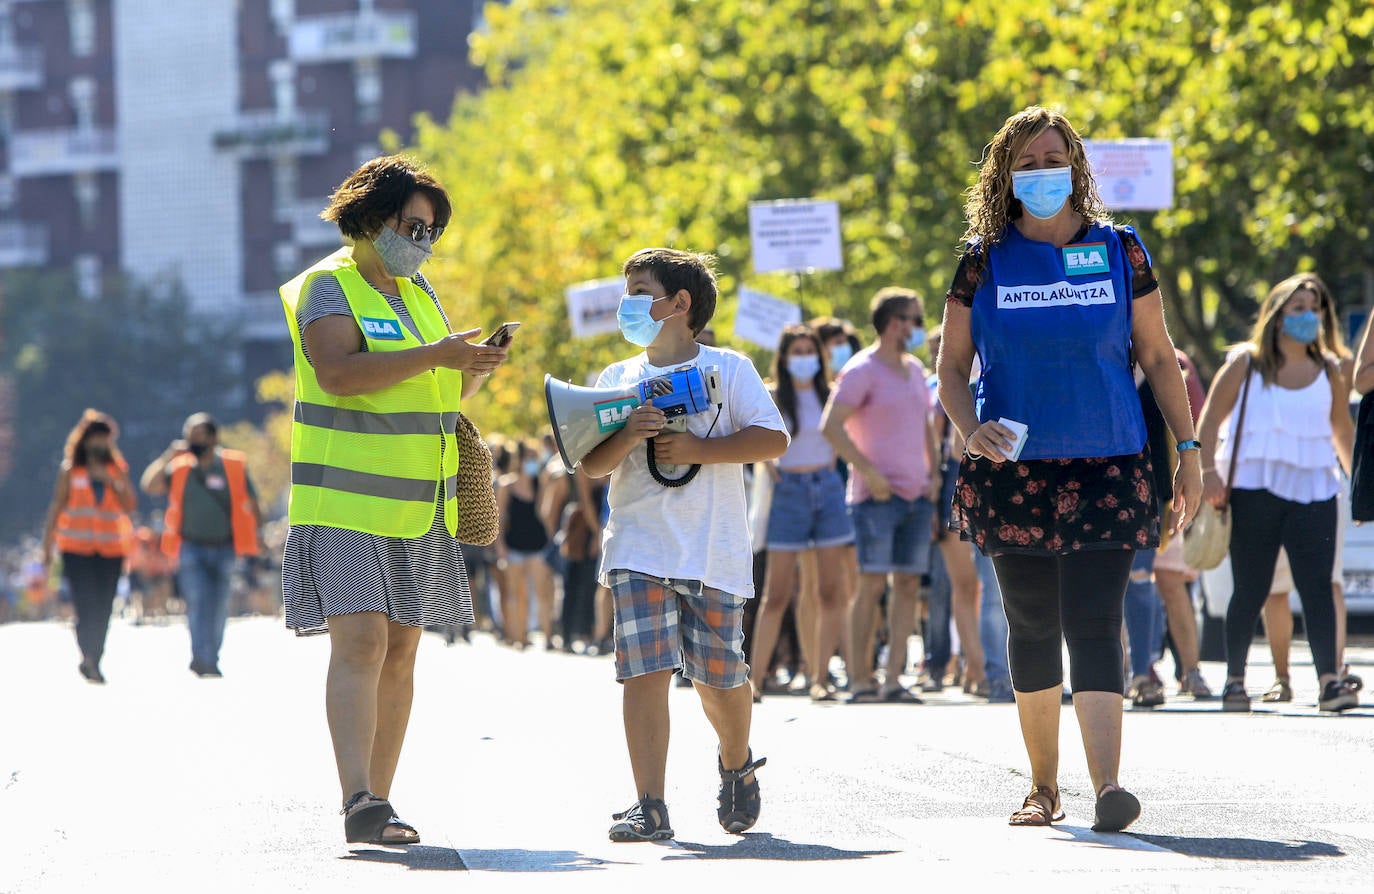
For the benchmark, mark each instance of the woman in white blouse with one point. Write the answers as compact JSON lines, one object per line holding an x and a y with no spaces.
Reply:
{"x":1296,"y":427}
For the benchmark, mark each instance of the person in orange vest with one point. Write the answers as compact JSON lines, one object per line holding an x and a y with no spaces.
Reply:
{"x":88,"y":523}
{"x":212,"y":520}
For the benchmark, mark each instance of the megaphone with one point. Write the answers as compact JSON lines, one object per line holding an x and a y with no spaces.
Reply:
{"x":584,"y":417}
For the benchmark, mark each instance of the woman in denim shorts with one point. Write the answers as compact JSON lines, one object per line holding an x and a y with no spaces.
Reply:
{"x":808,"y":514}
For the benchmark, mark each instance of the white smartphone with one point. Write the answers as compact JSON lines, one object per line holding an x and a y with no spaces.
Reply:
{"x":502,"y":336}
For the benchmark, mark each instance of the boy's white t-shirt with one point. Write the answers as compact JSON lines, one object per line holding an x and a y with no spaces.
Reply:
{"x":699,"y":531}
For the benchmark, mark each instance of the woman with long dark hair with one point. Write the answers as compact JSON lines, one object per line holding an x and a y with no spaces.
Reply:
{"x":88,"y":523}
{"x":808,"y":514}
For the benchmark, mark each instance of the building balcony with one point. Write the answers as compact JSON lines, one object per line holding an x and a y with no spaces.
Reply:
{"x":261,"y":317}
{"x":360,"y":35}
{"x":307,"y":229}
{"x":266,"y":133}
{"x":23,"y":244}
{"x":21,"y":68}
{"x":68,"y":150}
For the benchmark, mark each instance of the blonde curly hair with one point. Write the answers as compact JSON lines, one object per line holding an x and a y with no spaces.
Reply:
{"x":991,"y":205}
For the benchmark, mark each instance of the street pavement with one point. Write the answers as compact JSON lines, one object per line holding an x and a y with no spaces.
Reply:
{"x":164,"y":782}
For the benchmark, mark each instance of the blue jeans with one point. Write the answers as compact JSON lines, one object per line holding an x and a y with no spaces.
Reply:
{"x":204,"y":575}
{"x":1144,"y":615}
{"x":939,"y":595}
{"x":992,"y":621}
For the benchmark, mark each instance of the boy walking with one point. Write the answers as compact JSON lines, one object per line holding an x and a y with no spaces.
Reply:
{"x":677,"y":559}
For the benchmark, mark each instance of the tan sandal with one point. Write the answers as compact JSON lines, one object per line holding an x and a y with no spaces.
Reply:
{"x":1040,"y":808}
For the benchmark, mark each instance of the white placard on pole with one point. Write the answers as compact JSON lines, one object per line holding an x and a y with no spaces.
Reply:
{"x":761,"y":317}
{"x":795,"y":235}
{"x":1133,"y":175}
{"x":592,"y":306}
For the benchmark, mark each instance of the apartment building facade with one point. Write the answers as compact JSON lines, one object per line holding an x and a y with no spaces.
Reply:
{"x":192,"y":143}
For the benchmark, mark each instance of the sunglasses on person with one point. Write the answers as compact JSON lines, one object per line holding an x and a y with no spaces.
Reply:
{"x":418,"y":230}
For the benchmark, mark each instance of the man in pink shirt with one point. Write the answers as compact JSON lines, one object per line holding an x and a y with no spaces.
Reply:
{"x":878,"y":420}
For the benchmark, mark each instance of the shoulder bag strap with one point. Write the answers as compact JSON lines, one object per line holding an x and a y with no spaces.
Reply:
{"x":1240,"y":426}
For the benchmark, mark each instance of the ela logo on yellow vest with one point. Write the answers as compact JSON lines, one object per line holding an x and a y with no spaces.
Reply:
{"x":381,"y":329}
{"x":1086,"y":257}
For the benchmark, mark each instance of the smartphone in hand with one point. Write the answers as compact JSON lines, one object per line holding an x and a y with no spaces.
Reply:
{"x":502,"y":336}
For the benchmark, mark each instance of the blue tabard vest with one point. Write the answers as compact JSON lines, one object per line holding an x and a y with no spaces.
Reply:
{"x":1052,"y":328}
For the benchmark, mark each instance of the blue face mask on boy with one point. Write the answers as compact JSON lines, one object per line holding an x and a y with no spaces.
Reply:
{"x":636,"y":323}
{"x":839,"y":355}
{"x":1304,"y":327}
{"x":916,"y":339}
{"x":1043,"y":192}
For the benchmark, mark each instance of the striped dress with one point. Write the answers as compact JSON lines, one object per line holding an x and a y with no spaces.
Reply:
{"x":418,"y":582}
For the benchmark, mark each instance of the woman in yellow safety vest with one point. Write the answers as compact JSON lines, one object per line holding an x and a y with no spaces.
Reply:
{"x":88,"y":523}
{"x":371,"y":556}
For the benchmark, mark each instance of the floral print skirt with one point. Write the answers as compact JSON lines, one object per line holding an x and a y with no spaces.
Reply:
{"x":1056,"y":506}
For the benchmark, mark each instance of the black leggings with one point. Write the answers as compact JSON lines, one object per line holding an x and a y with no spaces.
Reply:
{"x":93,"y":581}
{"x":1261,"y":523}
{"x":1075,"y":598}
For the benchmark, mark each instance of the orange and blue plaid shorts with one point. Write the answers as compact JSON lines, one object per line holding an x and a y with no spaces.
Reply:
{"x":665,"y":623}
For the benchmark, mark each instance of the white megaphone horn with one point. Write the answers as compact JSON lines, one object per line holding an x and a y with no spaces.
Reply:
{"x":584,"y":417}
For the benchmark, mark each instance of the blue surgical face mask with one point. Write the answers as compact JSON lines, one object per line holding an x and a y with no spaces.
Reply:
{"x":1304,"y":327}
{"x":839,"y":355}
{"x":636,"y":323}
{"x":916,"y":338}
{"x":400,"y":256}
{"x":1043,"y":192}
{"x":531,"y":468}
{"x":804,"y":366}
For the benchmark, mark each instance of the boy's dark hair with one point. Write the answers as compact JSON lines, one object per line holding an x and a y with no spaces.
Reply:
{"x":378,"y":191}
{"x":888,"y":301}
{"x":676,"y":270}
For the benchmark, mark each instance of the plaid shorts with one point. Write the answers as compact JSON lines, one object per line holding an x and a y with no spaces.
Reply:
{"x":663,"y":624}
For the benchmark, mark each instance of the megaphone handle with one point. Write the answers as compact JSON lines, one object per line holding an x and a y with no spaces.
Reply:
{"x":659,"y":477}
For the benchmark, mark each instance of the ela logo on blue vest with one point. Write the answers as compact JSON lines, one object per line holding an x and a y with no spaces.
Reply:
{"x":382,"y":329}
{"x":1086,"y":257}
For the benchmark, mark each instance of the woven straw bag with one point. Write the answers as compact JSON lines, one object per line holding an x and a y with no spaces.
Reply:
{"x":1207,"y":540}
{"x":477,"y":521}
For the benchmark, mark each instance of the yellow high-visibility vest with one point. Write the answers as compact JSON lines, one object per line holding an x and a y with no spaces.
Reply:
{"x":372,"y":462}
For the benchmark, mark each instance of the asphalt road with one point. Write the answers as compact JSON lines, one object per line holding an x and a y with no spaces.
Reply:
{"x":161,"y":781}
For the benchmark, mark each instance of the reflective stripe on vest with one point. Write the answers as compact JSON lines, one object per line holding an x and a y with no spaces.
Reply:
{"x":374,"y":462}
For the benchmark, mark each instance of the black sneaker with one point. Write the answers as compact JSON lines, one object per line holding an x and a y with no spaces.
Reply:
{"x":1234,"y":697}
{"x":645,"y":820}
{"x":1338,"y":695}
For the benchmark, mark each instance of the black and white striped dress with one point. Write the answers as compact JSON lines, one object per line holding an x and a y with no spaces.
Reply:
{"x":327,"y":571}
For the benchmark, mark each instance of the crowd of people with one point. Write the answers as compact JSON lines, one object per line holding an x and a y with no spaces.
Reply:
{"x":1010,"y":484}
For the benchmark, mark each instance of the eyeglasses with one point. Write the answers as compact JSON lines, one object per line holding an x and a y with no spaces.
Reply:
{"x":419,"y":231}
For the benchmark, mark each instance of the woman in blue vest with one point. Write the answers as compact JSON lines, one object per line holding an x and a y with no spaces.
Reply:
{"x":1057,"y":302}
{"x":371,"y":556}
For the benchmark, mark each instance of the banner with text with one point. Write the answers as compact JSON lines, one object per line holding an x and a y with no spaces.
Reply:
{"x":1133,"y":175}
{"x":795,"y":235}
{"x":761,"y":317}
{"x":592,"y":306}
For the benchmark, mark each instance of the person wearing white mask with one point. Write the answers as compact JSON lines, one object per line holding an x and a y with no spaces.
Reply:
{"x":808,"y":517}
{"x":372,"y":557}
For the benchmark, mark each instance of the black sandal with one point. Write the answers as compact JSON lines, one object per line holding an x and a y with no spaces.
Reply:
{"x":739,"y":800}
{"x":644,"y":820}
{"x":401,"y":832}
{"x":365,"y":816}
